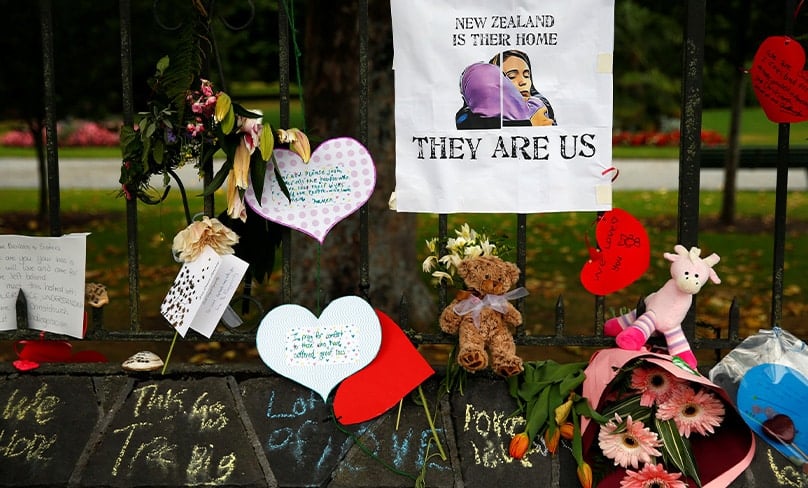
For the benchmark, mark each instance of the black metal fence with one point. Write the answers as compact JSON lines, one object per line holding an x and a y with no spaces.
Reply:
{"x":688,"y":195}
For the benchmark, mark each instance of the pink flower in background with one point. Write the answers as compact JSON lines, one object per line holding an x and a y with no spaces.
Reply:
{"x":652,"y":476}
{"x":693,"y":411}
{"x":628,"y":443}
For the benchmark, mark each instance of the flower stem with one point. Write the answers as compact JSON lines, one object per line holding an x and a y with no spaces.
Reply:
{"x":431,"y":424}
{"x":170,"y":349}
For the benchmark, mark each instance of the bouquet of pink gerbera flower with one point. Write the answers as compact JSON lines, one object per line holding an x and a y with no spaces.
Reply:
{"x":660,"y":416}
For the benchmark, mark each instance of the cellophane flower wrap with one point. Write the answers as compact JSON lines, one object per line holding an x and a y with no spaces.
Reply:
{"x":664,"y":424}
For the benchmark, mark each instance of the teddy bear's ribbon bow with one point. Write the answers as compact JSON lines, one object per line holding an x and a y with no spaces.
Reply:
{"x":474,"y":305}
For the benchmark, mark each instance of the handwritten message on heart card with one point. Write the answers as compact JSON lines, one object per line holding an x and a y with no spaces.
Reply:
{"x":623,"y":256}
{"x":338,"y":179}
{"x":320,"y":352}
{"x":780,"y":81}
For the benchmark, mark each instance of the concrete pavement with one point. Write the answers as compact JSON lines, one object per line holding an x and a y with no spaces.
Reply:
{"x":653,"y":174}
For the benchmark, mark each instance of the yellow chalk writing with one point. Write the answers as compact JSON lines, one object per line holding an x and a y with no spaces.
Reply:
{"x":169,"y":403}
{"x":209,"y":415}
{"x":40,"y":408}
{"x":33,"y":448}
{"x":490,"y":434}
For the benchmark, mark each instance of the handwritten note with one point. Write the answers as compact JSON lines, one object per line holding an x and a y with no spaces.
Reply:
{"x":337,"y":180}
{"x":779,"y":81}
{"x":201,"y":292}
{"x":329,"y":344}
{"x":50,"y":272}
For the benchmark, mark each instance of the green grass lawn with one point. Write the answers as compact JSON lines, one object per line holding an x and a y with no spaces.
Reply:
{"x":556,"y":251}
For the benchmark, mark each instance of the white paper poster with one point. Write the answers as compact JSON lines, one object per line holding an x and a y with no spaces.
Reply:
{"x":503,"y":106}
{"x":50,"y":273}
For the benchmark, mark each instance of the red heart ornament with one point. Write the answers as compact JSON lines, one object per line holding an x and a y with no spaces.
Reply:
{"x":779,"y":81}
{"x":395,"y":371}
{"x":623,"y":256}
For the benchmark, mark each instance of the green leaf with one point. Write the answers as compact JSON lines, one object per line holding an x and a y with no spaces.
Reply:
{"x":228,"y":121}
{"x":676,"y":448}
{"x":571,"y":382}
{"x":258,"y":170}
{"x":267,"y":142}
{"x":218,"y":178}
{"x":629,"y":406}
{"x":279,"y":179}
{"x":537,"y":414}
{"x":162,"y":65}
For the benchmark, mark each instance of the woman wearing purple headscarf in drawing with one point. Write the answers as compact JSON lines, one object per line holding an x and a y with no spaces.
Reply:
{"x":505,"y":96}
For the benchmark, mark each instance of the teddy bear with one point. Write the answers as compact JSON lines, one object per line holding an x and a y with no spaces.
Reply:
{"x":666,"y":308}
{"x":482,"y":316}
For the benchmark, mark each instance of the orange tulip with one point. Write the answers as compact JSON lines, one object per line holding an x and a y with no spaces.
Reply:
{"x":551,"y":440}
{"x":567,"y":430}
{"x":520,"y":443}
{"x":585,"y":475}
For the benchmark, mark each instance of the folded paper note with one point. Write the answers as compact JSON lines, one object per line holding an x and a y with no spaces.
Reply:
{"x":202,"y":291}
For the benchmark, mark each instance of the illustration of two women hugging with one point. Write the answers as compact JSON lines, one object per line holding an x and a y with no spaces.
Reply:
{"x":500,"y":93}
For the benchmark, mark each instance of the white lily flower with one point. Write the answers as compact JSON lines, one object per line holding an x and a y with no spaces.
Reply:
{"x":442,"y":275}
{"x":429,"y":264}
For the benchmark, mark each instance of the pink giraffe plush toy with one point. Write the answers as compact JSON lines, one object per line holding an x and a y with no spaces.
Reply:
{"x":666,"y":308}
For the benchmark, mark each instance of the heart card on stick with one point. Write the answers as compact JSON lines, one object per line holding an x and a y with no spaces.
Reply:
{"x":623,"y":256}
{"x":779,"y":79}
{"x":320,"y":352}
{"x":338,"y":179}
{"x":397,"y":369}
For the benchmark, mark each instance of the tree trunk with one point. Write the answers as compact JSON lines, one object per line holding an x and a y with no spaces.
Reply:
{"x":727,"y":216}
{"x":331,"y":94}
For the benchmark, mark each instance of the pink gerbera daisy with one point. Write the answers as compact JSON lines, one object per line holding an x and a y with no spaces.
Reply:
{"x":628,"y":443}
{"x":652,"y":476}
{"x":693,"y":411}
{"x":655,"y":384}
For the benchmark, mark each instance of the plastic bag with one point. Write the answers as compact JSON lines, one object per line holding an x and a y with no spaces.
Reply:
{"x":775,"y":346}
{"x":768,"y":377}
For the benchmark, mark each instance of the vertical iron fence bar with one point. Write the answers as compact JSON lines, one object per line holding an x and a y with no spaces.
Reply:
{"x":690,"y":145}
{"x":283,"y":82}
{"x":781,"y":198}
{"x":521,"y":262}
{"x":127,"y":92}
{"x":51,"y":142}
{"x":443,"y":231}
{"x":364,"y":254}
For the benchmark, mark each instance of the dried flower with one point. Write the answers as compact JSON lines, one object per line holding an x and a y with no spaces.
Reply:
{"x":652,"y":475}
{"x":298,"y":142}
{"x":189,"y":243}
{"x":628,"y":443}
{"x":520,"y":443}
{"x":693,"y":411}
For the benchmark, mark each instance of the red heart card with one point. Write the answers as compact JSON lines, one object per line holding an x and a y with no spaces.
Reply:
{"x":779,"y":80}
{"x":395,"y":371}
{"x":623,"y":256}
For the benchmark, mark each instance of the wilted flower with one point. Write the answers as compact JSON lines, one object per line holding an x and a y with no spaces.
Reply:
{"x":189,"y":242}
{"x":251,"y":128}
{"x":235,"y":202}
{"x":298,"y":142}
{"x":520,"y":443}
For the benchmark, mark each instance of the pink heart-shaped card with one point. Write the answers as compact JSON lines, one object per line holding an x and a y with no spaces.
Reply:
{"x":338,"y":179}
{"x":396,"y":370}
{"x":779,"y":80}
{"x":624,"y":253}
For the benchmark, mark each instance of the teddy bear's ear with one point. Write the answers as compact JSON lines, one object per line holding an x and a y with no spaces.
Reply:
{"x":513,"y":271}
{"x":463,"y":267}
